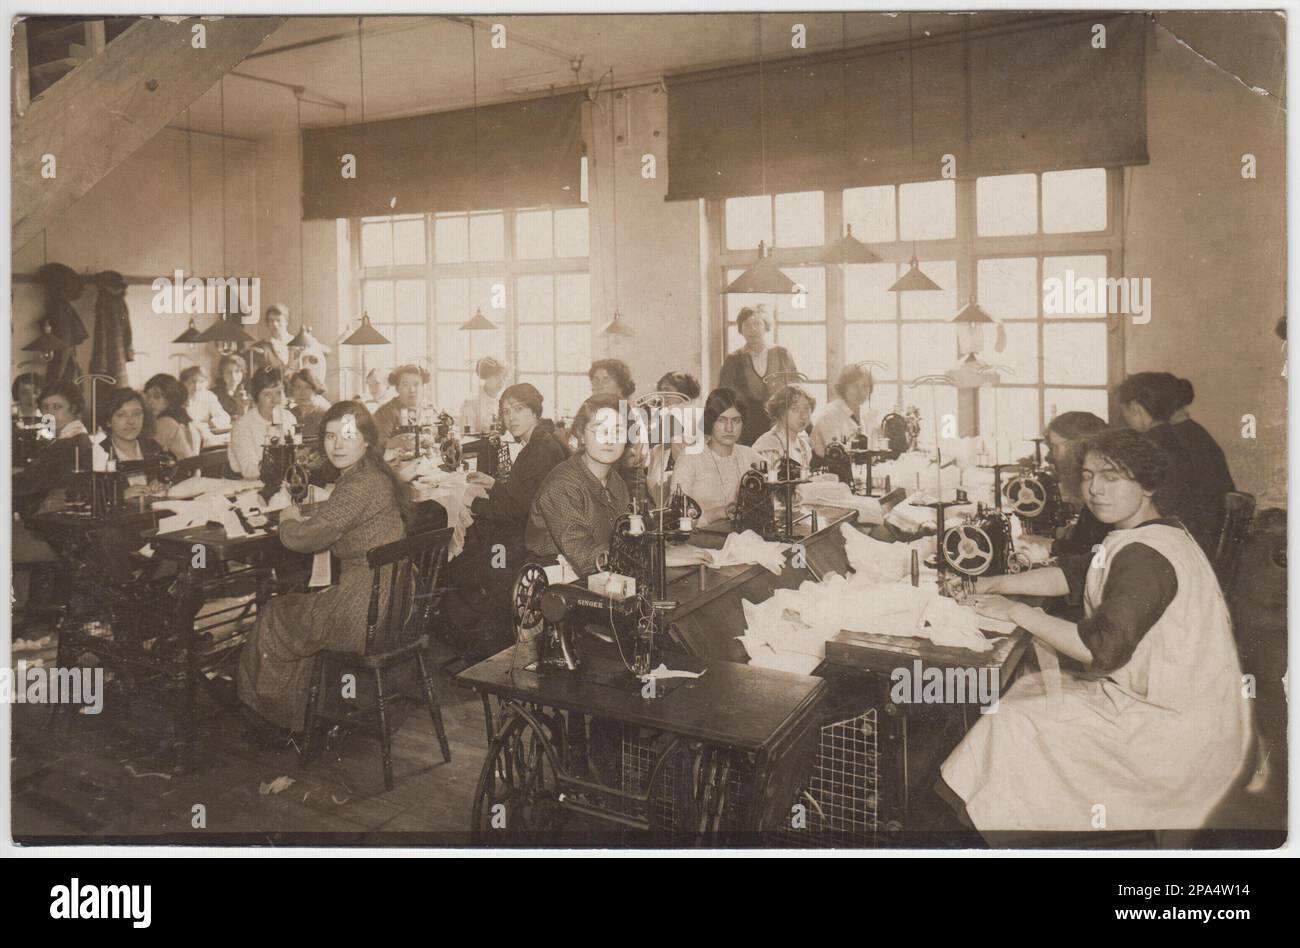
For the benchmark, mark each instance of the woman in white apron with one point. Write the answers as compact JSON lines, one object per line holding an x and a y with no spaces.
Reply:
{"x":1155,"y":730}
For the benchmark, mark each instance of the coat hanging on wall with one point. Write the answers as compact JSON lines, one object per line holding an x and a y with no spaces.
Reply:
{"x":112,"y":348}
{"x":62,"y":286}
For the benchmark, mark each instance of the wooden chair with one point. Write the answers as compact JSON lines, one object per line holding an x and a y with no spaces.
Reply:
{"x":411,"y":569}
{"x":1238,"y":511}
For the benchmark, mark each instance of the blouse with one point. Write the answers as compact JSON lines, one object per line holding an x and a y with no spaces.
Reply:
{"x":205,"y":410}
{"x":50,"y":470}
{"x":772,"y":447}
{"x":1195,"y":484}
{"x":247,"y":438}
{"x":573,"y":514}
{"x":713,"y":481}
{"x":182,"y":440}
{"x":836,"y":423}
{"x":231,"y":403}
{"x":510,"y":499}
{"x":739,"y":375}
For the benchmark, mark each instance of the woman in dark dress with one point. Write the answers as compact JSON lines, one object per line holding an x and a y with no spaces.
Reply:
{"x":1198,"y":476}
{"x":745,"y":369}
{"x":49,"y":472}
{"x":480,"y":577}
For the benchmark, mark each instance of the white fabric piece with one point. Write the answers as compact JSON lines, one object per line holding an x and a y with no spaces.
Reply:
{"x":199,"y":486}
{"x":748,"y":547}
{"x":664,"y":672}
{"x":835,"y":493}
{"x":454,"y":493}
{"x":320,"y":570}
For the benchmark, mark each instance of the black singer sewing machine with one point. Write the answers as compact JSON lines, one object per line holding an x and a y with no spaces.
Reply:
{"x":766,"y":500}
{"x":1034,"y":494}
{"x":901,"y":432}
{"x":851,"y":460}
{"x":29,"y":436}
{"x":981,"y":545}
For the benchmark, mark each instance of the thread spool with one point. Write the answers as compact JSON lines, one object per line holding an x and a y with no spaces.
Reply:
{"x":635,"y":525}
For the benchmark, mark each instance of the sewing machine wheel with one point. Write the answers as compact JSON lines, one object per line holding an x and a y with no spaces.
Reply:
{"x":968,"y":549}
{"x":1017,"y":563}
{"x":526,"y":597}
{"x":166,"y":467}
{"x":451,"y":453}
{"x":297,"y":482}
{"x":836,"y":453}
{"x":752,"y":480}
{"x":1027,"y":496}
{"x":517,"y":787}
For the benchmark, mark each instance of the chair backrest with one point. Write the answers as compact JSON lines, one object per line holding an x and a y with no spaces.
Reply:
{"x":410,"y":569}
{"x":1238,"y":511}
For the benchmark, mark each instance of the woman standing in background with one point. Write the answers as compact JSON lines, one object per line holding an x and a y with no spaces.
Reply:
{"x":745,"y":369}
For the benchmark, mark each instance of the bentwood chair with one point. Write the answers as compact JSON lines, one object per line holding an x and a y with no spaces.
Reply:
{"x":396,"y":639}
{"x":1238,"y":512}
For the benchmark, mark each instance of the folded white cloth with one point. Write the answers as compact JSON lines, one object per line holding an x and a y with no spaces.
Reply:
{"x":836,"y":493}
{"x":748,"y":547}
{"x":199,"y":486}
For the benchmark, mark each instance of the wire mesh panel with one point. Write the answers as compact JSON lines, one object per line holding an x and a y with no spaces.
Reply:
{"x":841,"y":800}
{"x":669,"y":808}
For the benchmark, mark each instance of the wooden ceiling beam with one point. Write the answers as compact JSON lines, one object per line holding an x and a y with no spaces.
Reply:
{"x":102,"y":112}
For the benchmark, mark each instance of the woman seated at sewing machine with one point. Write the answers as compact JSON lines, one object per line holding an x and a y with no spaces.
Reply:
{"x":43,"y":482}
{"x":309,"y":402}
{"x":407,"y":380}
{"x":841,"y":419}
{"x":664,"y":457}
{"x":478,"y":411}
{"x":712,"y":477}
{"x":368,"y":507}
{"x":253,"y":430}
{"x":230,"y":391}
{"x":173,"y":428}
{"x":575,"y":509}
{"x":1155,"y":403}
{"x":1157,"y":727}
{"x":378,"y":391}
{"x":203,"y":406}
{"x":790,"y":410}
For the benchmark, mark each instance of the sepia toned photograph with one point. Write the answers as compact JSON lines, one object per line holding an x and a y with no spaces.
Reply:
{"x":812,"y":430}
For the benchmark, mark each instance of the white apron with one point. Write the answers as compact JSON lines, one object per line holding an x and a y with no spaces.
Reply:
{"x":1156,"y":745}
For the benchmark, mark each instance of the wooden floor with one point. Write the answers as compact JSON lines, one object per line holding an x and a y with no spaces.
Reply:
{"x":104,"y":779}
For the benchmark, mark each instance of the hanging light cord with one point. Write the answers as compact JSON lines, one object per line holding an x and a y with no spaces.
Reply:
{"x":189,"y":181}
{"x":762,"y":109}
{"x":613,"y":178}
{"x":361,"y":67}
{"x":911,"y":107}
{"x":302,"y":263}
{"x":223,"y":177}
{"x":473,"y":68}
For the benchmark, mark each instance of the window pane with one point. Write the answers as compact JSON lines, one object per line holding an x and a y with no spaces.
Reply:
{"x":810,"y":305}
{"x":807,"y":344}
{"x":571,"y":233}
{"x":453,"y":389}
{"x":453,"y":348}
{"x":875,"y":341}
{"x":411,"y":344}
{"x":749,"y":220}
{"x":573,"y":297}
{"x":377,"y":244}
{"x":1075,"y":353}
{"x":536,"y":299}
{"x":928,"y":350}
{"x":1059,"y":400}
{"x":870,"y":212}
{"x":573,"y":347}
{"x":572,"y":392}
{"x":533,"y":235}
{"x":933,"y":401}
{"x":932,"y":304}
{"x":800,"y":219}
{"x":377,"y":300}
{"x":1020,"y":355}
{"x":408,"y":241}
{"x":928,"y":210}
{"x":451,"y":239}
{"x":536,"y":349}
{"x":866,"y":291}
{"x":411,"y":307}
{"x":1006,"y":204}
{"x":487,"y":236}
{"x":1008,"y":424}
{"x":453,"y":301}
{"x":1061,"y":278}
{"x":544,"y":384}
{"x":1008,"y":287}
{"x":1074,"y":201}
{"x":488,"y":294}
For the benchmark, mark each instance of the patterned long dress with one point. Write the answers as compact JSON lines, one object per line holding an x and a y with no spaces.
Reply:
{"x":276,"y":662}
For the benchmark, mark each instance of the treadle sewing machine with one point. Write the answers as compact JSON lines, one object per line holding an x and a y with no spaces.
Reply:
{"x":1034,"y":494}
{"x":430,"y":430}
{"x":851,"y":460}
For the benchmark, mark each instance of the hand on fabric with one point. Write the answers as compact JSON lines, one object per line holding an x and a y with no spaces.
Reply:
{"x":483,"y":480}
{"x":1038,"y":549}
{"x":684,"y":555}
{"x":290,"y":514}
{"x":995,"y":607}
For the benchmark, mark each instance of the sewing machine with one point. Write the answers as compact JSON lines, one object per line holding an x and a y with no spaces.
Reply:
{"x":29,"y":436}
{"x":640,"y":541}
{"x":1034,"y":494}
{"x":981,"y":545}
{"x":280,"y":465}
{"x":766,"y":500}
{"x":851,"y":460}
{"x":901,"y":431}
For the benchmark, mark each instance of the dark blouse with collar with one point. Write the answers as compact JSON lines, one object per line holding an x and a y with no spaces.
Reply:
{"x":509,"y":501}
{"x":573,"y":514}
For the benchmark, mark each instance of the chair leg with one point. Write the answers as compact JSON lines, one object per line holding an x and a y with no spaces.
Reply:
{"x":385,"y":738}
{"x":311,"y":746}
{"x":435,"y":709}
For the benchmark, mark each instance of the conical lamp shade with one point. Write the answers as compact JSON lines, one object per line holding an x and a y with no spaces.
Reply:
{"x":190,"y":335}
{"x":366,"y":335}
{"x":223,"y":330}
{"x":914,"y":279}
{"x":616,"y":327}
{"x":46,"y":342}
{"x":973,"y":313}
{"x":477,"y":322}
{"x":763,"y":277}
{"x":304,"y":340}
{"x":848,"y":249}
